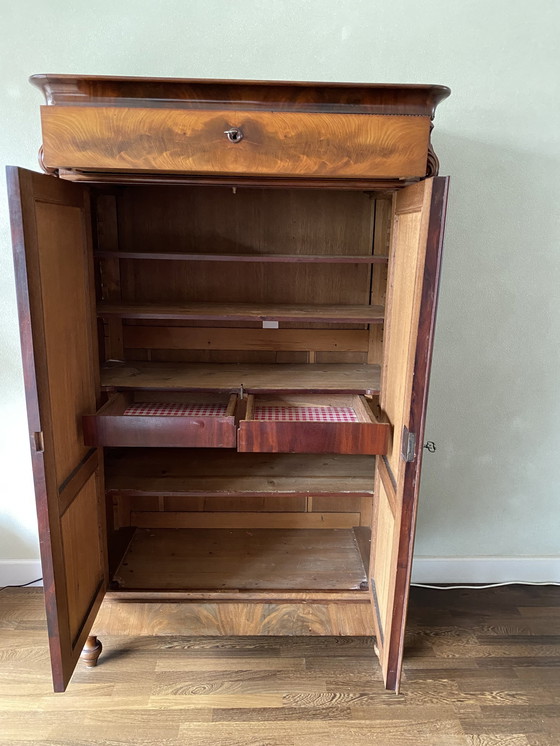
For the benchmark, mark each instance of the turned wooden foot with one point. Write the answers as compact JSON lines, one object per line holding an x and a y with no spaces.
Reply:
{"x":91,"y":652}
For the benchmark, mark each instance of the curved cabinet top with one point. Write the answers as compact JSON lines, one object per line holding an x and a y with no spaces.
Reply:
{"x":250,"y":95}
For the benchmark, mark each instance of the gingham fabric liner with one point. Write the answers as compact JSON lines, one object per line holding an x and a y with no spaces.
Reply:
{"x":305,"y":414}
{"x":176,"y":409}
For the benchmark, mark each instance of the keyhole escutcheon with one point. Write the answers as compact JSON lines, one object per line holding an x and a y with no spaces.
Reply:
{"x":234,"y":134}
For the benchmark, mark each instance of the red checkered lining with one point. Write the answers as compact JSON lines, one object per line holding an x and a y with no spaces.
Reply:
{"x":305,"y":414}
{"x":176,"y":409}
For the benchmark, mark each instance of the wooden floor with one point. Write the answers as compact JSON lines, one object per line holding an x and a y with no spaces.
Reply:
{"x":482,"y":668}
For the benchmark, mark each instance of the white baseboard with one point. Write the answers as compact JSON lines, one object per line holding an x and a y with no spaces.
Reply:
{"x":18,"y":572}
{"x":486,"y":569}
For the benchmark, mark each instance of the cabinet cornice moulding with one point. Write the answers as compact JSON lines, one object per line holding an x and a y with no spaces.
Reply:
{"x":285,"y":95}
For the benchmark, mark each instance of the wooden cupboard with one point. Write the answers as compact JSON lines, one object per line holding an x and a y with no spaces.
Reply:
{"x":227,"y":294}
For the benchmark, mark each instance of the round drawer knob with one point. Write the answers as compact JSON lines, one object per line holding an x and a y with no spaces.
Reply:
{"x":234,"y":134}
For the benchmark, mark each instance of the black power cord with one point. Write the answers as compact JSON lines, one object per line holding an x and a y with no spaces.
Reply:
{"x":22,"y":585}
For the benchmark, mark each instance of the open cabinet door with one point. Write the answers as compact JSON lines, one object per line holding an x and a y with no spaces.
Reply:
{"x":51,"y":237}
{"x":415,"y":254}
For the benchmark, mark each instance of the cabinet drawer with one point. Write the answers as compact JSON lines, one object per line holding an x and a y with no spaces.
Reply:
{"x":163,"y":419}
{"x":312,"y":424}
{"x":259,"y":143}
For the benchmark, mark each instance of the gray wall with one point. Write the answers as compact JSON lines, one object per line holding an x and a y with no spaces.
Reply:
{"x":493,"y":485}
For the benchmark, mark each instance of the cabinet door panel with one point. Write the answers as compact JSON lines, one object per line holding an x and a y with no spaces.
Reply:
{"x":51,"y":237}
{"x":416,"y":243}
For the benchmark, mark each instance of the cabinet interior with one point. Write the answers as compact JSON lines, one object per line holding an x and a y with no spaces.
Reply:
{"x":240,"y":344}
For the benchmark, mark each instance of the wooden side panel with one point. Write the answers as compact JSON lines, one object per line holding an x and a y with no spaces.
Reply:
{"x":416,"y":245}
{"x":107,"y":233}
{"x":52,"y":254}
{"x":271,"y":143}
{"x":381,"y":239}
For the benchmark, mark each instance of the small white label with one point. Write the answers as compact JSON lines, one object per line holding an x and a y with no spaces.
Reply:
{"x":270,"y":325}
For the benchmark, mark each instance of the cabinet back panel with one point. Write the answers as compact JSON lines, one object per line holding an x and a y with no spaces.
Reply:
{"x":219,"y":220}
{"x":314,"y":511}
{"x":146,"y":281}
{"x":218,"y":356}
{"x":151,"y":486}
{"x":248,"y":345}
{"x":251,"y":221}
{"x":215,"y":220}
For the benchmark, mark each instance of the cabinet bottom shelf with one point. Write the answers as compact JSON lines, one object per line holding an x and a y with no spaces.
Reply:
{"x":244,"y":560}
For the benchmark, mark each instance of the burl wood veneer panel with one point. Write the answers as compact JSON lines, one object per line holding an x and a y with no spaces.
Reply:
{"x":273,"y":143}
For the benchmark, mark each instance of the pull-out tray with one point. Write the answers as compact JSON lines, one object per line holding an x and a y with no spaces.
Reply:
{"x":164,"y":418}
{"x":312,"y":424}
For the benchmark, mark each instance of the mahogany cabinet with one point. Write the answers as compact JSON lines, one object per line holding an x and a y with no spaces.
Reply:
{"x":227,"y":293}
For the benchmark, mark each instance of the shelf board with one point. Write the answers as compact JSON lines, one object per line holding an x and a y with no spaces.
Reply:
{"x":356,"y":314}
{"x":170,"y":472}
{"x":239,"y":559}
{"x":279,"y":258}
{"x":313,"y":378}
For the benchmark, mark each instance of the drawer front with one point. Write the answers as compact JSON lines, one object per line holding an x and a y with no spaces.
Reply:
{"x":259,"y":143}
{"x":312,"y":437}
{"x":164,"y":432}
{"x":113,"y":426}
{"x":310,"y":424}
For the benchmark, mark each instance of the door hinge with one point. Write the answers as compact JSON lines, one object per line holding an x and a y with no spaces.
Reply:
{"x":39,"y":442}
{"x":408,"y":445}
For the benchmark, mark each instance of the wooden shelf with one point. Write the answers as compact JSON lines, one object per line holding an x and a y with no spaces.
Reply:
{"x":257,"y":378}
{"x":356,"y":314}
{"x":239,"y":559}
{"x":168,"y":472}
{"x":280,"y":258}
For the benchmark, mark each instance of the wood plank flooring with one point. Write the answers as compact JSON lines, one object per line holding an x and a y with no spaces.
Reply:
{"x":482,"y":668}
